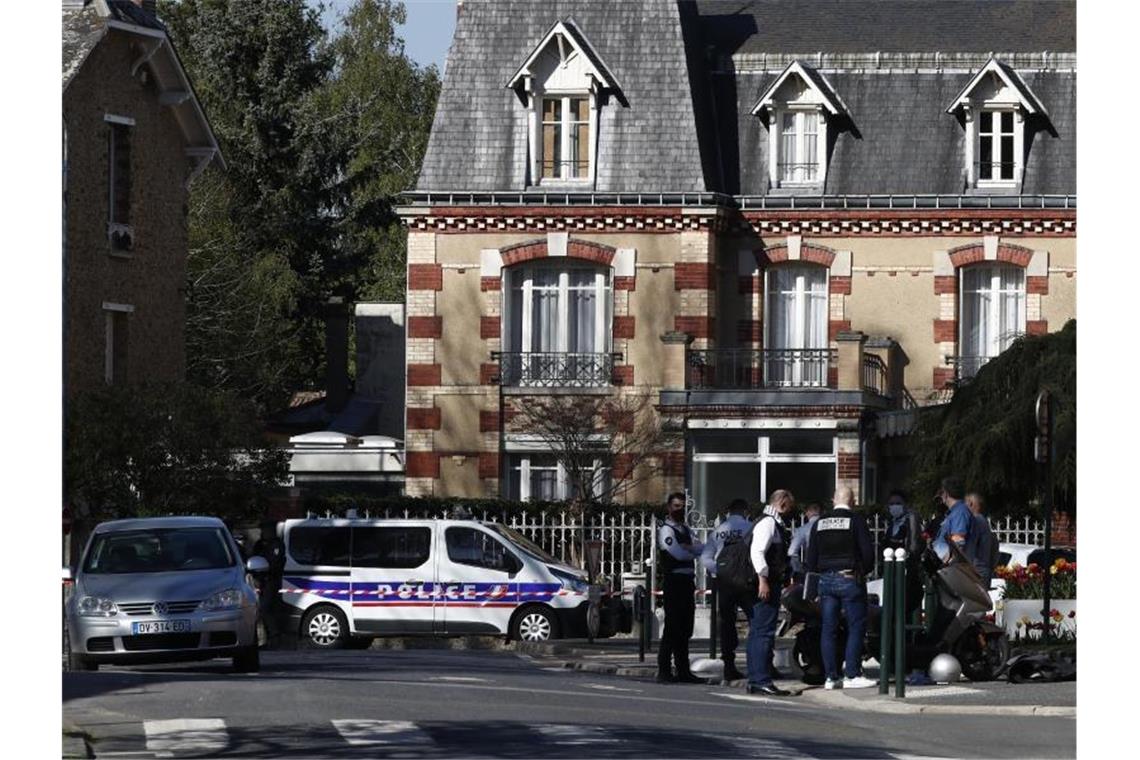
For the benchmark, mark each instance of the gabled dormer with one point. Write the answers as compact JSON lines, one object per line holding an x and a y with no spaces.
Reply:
{"x":563,"y":84}
{"x":799,"y":108}
{"x":994,"y":108}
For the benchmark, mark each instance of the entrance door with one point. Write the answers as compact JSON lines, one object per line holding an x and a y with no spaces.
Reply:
{"x":393,"y":579}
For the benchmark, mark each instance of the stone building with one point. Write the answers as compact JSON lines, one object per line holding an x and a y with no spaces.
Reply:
{"x":787,"y":224}
{"x":135,"y":137}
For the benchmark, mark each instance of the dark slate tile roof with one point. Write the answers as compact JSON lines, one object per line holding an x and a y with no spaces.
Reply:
{"x":478,"y":139}
{"x":903,"y":140}
{"x":82,"y":30}
{"x":847,"y":26}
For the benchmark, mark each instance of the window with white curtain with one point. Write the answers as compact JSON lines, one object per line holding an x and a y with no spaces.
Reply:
{"x":541,"y":477}
{"x":799,"y":161}
{"x":796,"y":316}
{"x":559,"y":307}
{"x":993,"y":312}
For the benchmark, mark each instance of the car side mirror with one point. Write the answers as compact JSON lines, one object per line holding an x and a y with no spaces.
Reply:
{"x":257,"y":565}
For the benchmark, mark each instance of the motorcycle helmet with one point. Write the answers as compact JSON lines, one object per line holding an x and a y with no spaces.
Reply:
{"x":945,"y":668}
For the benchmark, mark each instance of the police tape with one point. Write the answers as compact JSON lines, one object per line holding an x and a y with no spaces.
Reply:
{"x":379,"y":592}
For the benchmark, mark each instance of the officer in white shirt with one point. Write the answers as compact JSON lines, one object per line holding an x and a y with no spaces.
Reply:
{"x":677,"y":549}
{"x":731,"y":529}
{"x":769,"y":554}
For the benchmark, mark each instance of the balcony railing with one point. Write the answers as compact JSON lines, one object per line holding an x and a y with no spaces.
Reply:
{"x":758,"y":368}
{"x":874,"y":374}
{"x":965,"y":367}
{"x":549,"y":369}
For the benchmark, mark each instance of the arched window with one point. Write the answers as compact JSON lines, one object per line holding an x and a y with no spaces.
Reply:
{"x":993,"y":313}
{"x":795,"y":315}
{"x":558,"y":313}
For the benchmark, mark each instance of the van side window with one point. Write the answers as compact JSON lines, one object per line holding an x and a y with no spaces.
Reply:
{"x":390,"y":547}
{"x":319,"y":546}
{"x":467,"y":546}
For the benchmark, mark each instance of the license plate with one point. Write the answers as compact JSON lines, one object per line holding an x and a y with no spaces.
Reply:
{"x":161,"y":626}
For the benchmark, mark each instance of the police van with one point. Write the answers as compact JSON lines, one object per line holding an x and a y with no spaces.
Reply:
{"x":349,"y":580}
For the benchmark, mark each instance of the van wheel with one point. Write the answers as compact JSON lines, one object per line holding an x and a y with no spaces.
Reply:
{"x":248,"y":661}
{"x":79,"y":662}
{"x":325,"y":627}
{"x":534,"y":624}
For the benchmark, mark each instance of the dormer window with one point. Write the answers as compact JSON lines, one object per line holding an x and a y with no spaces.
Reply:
{"x":798,"y":108}
{"x":562,"y":85}
{"x":994,"y":108}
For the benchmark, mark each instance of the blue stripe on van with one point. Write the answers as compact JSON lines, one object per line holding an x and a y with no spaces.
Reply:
{"x":397,"y":591}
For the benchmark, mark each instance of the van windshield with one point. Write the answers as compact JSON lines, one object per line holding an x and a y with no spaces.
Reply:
{"x":159,"y":550}
{"x":524,"y":543}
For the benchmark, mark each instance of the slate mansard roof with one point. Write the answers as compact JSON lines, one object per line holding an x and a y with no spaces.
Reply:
{"x":692,"y":71}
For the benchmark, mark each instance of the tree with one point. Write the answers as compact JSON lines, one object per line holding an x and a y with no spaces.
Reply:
{"x":170,"y":448}
{"x":985,"y":434}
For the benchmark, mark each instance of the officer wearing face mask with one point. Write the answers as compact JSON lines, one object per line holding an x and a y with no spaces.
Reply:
{"x":904,"y":531}
{"x":677,"y":549}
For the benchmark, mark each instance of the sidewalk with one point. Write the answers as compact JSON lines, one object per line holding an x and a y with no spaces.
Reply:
{"x":618,"y":657}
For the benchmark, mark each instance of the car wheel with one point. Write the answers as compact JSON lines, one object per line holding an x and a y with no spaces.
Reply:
{"x":248,"y":661}
{"x":325,"y":627}
{"x":79,"y":662}
{"x":534,"y":624}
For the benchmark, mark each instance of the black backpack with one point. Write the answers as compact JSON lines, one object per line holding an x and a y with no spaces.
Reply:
{"x":734,"y":570}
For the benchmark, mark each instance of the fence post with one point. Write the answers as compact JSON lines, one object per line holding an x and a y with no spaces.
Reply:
{"x":887,"y":618}
{"x":900,"y":622}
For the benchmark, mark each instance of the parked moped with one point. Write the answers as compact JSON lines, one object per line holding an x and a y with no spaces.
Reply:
{"x":959,"y":625}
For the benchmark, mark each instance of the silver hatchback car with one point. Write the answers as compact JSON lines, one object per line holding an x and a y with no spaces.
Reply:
{"x":163,"y":589}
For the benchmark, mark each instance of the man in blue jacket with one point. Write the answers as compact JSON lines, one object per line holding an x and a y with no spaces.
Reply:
{"x":957,"y":526}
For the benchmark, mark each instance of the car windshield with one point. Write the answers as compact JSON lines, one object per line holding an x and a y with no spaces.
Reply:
{"x":158,"y":550}
{"x":524,"y":543}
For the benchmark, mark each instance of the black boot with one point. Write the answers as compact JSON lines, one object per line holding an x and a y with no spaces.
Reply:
{"x":688,"y":677}
{"x":731,"y":673}
{"x":665,"y":676}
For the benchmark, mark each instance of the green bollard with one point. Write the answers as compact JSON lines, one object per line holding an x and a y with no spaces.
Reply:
{"x":900,"y":622}
{"x":887,"y":618}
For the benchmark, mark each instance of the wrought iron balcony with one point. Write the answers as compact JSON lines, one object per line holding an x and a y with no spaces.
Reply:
{"x":965,"y":367}
{"x":549,"y":369}
{"x":874,"y":374}
{"x":759,"y":368}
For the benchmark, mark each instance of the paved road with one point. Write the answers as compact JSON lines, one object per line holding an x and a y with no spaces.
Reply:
{"x":440,"y":703}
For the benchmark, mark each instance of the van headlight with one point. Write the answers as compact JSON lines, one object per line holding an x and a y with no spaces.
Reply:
{"x":571,"y":582}
{"x":97,"y":606}
{"x":229,"y":599}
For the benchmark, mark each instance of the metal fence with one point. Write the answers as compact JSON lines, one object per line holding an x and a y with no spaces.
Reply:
{"x":628,"y":536}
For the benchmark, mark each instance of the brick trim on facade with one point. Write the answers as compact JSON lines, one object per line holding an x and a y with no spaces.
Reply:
{"x":945,"y":330}
{"x":809,"y":252}
{"x":489,"y":327}
{"x":425,"y":327}
{"x":749,"y":330}
{"x":836,"y":326}
{"x":425,"y":375}
{"x":425,"y":277}
{"x":424,"y":419}
{"x":575,"y":249}
{"x":486,"y":372}
{"x":839,"y":285}
{"x":624,"y":327}
{"x":1036,"y":285}
{"x":623,"y":374}
{"x":849,"y":465}
{"x":698,"y":327}
{"x":1037,"y":327}
{"x":945,"y":284}
{"x":974,"y":253}
{"x":421,"y":464}
{"x":489,"y":465}
{"x":943,"y":377}
{"x":694,"y":275}
{"x":488,"y":284}
{"x":625,"y":283}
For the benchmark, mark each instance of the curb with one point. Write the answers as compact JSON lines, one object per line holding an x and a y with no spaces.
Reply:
{"x":75,"y":742}
{"x":895,"y":707}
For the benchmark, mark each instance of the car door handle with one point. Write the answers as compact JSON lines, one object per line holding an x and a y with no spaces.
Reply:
{"x":415,"y":582}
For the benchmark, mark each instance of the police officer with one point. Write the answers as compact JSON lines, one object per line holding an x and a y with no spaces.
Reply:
{"x":798,"y":546}
{"x":731,"y":529}
{"x":904,"y":531}
{"x":677,"y":549}
{"x":840,"y":550}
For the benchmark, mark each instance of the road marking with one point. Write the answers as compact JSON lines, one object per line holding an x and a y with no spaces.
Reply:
{"x":942,"y":691}
{"x":782,"y":701}
{"x":460,"y":679}
{"x":607,"y":687}
{"x":575,"y":735}
{"x":381,"y":732}
{"x":766,"y":748}
{"x":200,"y":736}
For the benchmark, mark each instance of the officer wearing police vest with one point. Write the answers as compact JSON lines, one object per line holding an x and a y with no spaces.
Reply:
{"x":769,"y":555}
{"x":731,"y":529}
{"x":677,"y":550}
{"x":840,"y":550}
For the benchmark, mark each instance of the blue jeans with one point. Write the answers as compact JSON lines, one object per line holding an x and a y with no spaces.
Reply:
{"x":761,"y":639}
{"x":834,"y":591}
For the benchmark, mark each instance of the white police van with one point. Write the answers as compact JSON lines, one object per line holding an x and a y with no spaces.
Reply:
{"x":348,"y":580}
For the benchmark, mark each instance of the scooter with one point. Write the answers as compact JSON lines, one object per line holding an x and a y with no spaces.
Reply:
{"x":958,"y":626}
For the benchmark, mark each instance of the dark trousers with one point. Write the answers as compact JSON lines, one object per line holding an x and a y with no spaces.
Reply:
{"x":727,"y":603}
{"x":762,"y":640}
{"x":679,"y":607}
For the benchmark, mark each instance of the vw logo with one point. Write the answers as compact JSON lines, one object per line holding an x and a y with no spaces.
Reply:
{"x":160,"y":608}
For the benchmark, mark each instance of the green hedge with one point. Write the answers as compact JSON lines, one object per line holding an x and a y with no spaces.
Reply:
{"x":428,"y":506}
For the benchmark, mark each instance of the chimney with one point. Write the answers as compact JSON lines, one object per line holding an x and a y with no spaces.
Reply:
{"x":336,"y":354}
{"x":150,"y":6}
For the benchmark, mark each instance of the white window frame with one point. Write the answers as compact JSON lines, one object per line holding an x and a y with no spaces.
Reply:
{"x":993,"y":317}
{"x":776,"y":145}
{"x":566,"y":124}
{"x":802,"y":301}
{"x":109,"y":312}
{"x":764,"y":457}
{"x":562,"y":485}
{"x":995,"y":112}
{"x":603,"y":305}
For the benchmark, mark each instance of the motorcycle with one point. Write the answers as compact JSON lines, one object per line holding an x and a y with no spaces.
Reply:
{"x":958,"y":626}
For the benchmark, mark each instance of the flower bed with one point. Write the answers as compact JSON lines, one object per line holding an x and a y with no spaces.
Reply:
{"x":1023,"y":600}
